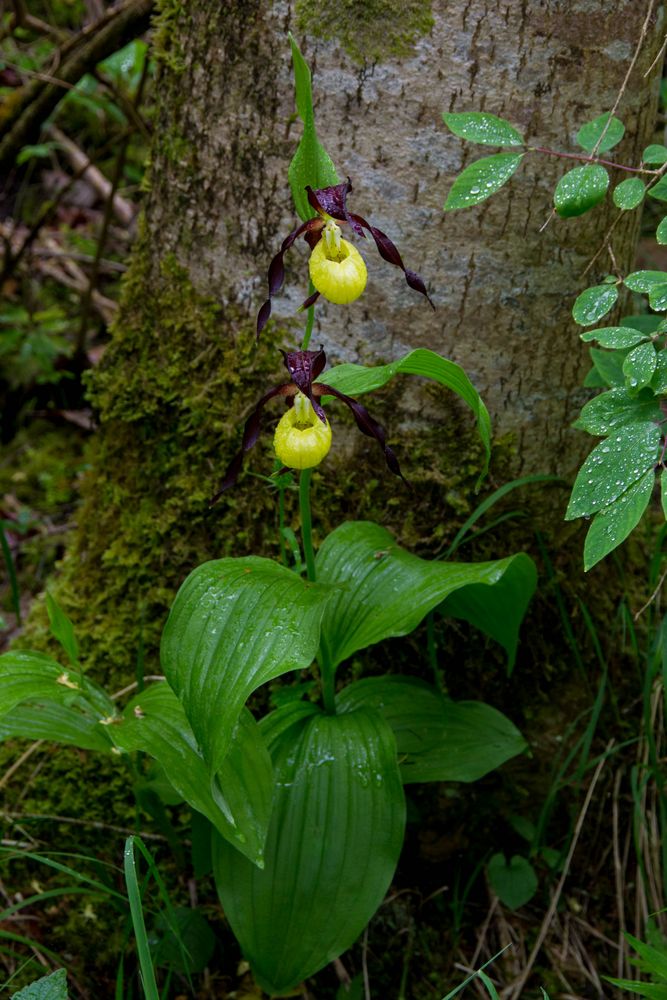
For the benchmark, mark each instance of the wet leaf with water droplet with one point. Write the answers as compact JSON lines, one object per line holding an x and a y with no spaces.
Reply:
{"x":616,"y":408}
{"x":612,"y":467}
{"x":482,"y":179}
{"x":613,"y":523}
{"x":594,"y":303}
{"x":629,"y":193}
{"x":614,"y":336}
{"x":663,"y":491}
{"x":659,"y":380}
{"x":655,"y":155}
{"x":639,"y":366}
{"x":589,"y":134}
{"x":487,"y":129}
{"x":579,"y":190}
{"x":657,"y":298}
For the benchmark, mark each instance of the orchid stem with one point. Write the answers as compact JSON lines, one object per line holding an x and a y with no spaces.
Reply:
{"x":309,"y":320}
{"x":307,"y":522}
{"x":281,"y":526}
{"x":327,"y":672}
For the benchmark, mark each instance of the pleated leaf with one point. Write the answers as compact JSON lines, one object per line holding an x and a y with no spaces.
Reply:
{"x":72,"y":706}
{"x":57,"y":723}
{"x":384,"y":591}
{"x":237,"y":800}
{"x":354,"y":380}
{"x":334,"y":839}
{"x":235,"y":624}
{"x":437,"y":739}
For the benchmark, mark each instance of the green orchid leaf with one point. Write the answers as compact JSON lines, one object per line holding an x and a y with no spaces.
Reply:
{"x":611,"y":134}
{"x":616,"y":408}
{"x":27,"y":677}
{"x":65,"y":724}
{"x":437,"y":739}
{"x":235,"y":624}
{"x":639,"y":365}
{"x":311,"y":164}
{"x":498,"y":610}
{"x":613,"y":467}
{"x":579,"y":190}
{"x":482,"y":179}
{"x":614,"y":336}
{"x":481,"y":127}
{"x":514,"y":882}
{"x":594,"y":303}
{"x":380,"y":590}
{"x":629,"y":193}
{"x":613,"y":523}
{"x":354,"y":380}
{"x":652,"y":991}
{"x":238,"y":799}
{"x":334,"y":839}
{"x":53,"y":987}
{"x":654,"y":155}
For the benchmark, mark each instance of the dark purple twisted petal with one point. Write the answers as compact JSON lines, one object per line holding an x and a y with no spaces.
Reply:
{"x":366,"y":424}
{"x":250,"y":435}
{"x":333,"y":201}
{"x":304,"y":367}
{"x":389,"y":252}
{"x":277,"y":267}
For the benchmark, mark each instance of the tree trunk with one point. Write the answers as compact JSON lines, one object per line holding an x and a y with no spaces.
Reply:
{"x":182,"y":369}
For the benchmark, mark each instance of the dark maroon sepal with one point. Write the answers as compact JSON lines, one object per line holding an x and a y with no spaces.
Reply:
{"x":250,"y":435}
{"x":389,"y":252}
{"x":333,"y":201}
{"x":367,"y":425}
{"x":277,"y":267}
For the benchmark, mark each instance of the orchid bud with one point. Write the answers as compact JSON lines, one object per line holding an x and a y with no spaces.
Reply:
{"x":338,"y":273}
{"x":302,"y":440}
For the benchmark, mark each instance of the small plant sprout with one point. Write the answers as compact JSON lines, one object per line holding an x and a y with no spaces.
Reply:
{"x":337,"y":269}
{"x":303,"y":436}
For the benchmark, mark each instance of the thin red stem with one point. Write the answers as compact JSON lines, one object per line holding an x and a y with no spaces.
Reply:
{"x":588,"y":159}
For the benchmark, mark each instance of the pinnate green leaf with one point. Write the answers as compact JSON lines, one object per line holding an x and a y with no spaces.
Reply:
{"x":487,"y":129}
{"x":482,"y":179}
{"x":354,"y":380}
{"x":237,"y":800}
{"x":609,"y":366}
{"x":659,"y":380}
{"x":514,"y":882}
{"x":437,"y":739}
{"x":663,"y":491}
{"x":661,"y":231}
{"x":644,"y":281}
{"x":235,"y":624}
{"x":614,"y":336}
{"x":657,"y":297}
{"x":655,"y":155}
{"x":639,"y":365}
{"x":613,"y":523}
{"x":614,"y":409}
{"x":334,"y":839}
{"x":380,"y":590}
{"x":659,"y":190}
{"x":629,"y":193}
{"x":589,"y":134}
{"x":580,"y":189}
{"x":594,"y":303}
{"x":612,"y":467}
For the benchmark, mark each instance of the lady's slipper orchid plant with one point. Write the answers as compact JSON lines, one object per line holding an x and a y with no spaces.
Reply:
{"x":303,"y":435}
{"x":337,"y":269}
